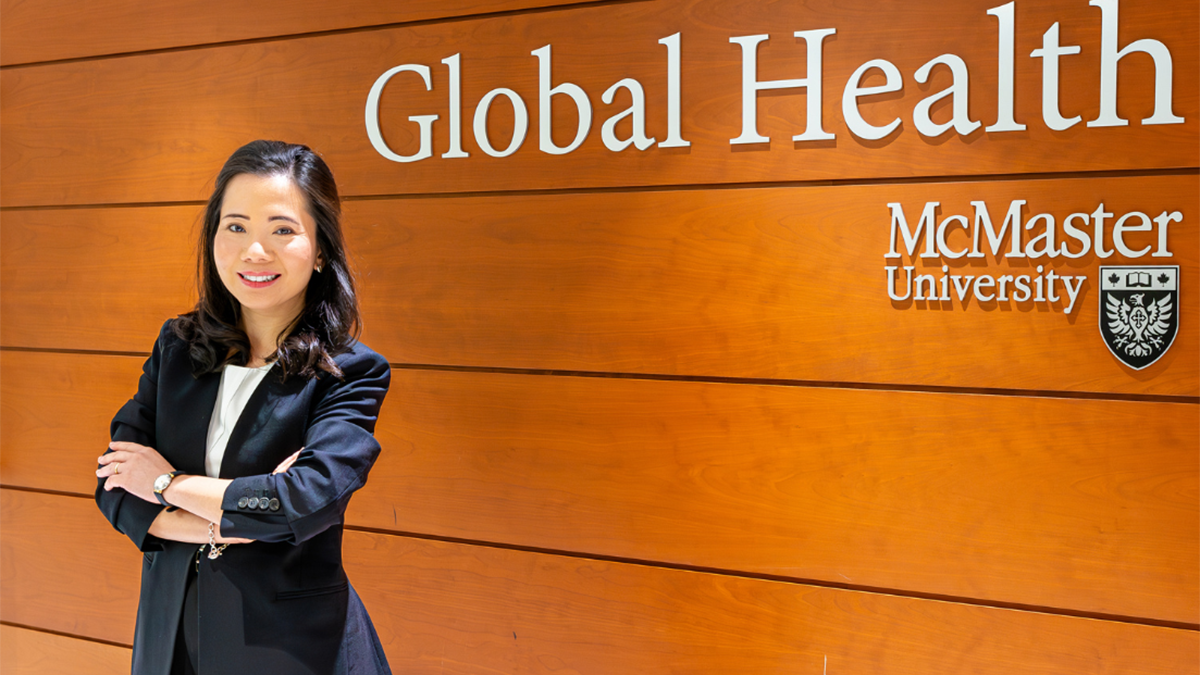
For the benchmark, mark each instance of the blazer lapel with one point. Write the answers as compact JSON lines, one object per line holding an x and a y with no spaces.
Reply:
{"x":255,"y":440}
{"x":183,"y":436}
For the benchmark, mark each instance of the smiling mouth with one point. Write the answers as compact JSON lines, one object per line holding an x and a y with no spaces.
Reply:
{"x":257,"y":280}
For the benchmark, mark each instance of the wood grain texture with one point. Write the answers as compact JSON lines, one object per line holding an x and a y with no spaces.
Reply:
{"x":31,"y":652}
{"x":125,"y":269}
{"x":47,"y":30}
{"x":772,"y":283}
{"x":448,"y":608}
{"x":785,"y":283}
{"x":155,"y":127}
{"x":65,"y":568}
{"x":59,"y":406}
{"x":1080,"y":505}
{"x":1071,"y":504}
{"x":442,"y":607}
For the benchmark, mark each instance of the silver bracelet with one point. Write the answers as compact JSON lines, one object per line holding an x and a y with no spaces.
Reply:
{"x":214,"y":551}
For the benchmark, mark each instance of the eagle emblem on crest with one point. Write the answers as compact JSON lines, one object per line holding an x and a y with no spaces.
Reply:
{"x":1138,"y":320}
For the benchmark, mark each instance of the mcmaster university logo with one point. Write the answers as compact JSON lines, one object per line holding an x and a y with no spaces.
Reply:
{"x":1138,"y":312}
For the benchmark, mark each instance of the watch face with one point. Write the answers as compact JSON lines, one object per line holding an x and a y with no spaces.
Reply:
{"x":162,"y":482}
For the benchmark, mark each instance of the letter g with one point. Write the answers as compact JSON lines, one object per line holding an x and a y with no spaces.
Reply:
{"x":425,"y":122}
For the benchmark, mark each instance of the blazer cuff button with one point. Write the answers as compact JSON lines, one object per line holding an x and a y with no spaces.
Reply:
{"x":262,"y":503}
{"x":253,"y":503}
{"x":242,"y":502}
{"x":274,"y":504}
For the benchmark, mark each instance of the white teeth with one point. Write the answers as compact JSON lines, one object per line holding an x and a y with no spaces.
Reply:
{"x":259,"y":279}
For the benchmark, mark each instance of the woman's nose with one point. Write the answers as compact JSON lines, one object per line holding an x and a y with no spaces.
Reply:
{"x":255,"y":252}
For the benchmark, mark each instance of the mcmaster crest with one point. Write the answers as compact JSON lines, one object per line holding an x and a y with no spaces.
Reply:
{"x":1139,"y":314}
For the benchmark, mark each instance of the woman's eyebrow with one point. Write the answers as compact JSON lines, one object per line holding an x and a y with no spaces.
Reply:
{"x":272,"y":218}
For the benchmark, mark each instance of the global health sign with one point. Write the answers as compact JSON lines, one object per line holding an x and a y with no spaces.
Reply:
{"x":1052,"y":52}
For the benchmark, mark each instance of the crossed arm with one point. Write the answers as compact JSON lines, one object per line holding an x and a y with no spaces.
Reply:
{"x":134,"y":467}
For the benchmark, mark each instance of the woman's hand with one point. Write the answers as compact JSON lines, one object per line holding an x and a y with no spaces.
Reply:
{"x":132,"y":468}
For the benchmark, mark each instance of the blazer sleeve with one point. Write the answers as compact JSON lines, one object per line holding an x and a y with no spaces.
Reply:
{"x":339,"y":450}
{"x":135,"y":422}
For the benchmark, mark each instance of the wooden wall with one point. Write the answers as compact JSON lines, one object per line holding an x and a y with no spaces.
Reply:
{"x":652,"y":411}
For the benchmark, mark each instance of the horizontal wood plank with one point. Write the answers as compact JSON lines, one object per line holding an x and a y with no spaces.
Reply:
{"x":443,"y":607}
{"x":124,"y":271}
{"x":156,"y":127}
{"x":65,"y":568}
{"x":1069,"y":504}
{"x":31,"y":652}
{"x":775,"y":283}
{"x":35,"y":391}
{"x":779,"y":283}
{"x":47,"y":30}
{"x":1079,"y":505}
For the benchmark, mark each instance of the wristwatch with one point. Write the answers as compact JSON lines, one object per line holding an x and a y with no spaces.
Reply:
{"x":162,"y":483}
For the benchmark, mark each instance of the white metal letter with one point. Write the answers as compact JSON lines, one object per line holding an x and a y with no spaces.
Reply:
{"x":928,"y":224}
{"x":943,"y":247}
{"x":637,"y":108}
{"x":858,"y":126}
{"x":1120,"y":228}
{"x":983,"y":223}
{"x":1163,"y":220}
{"x":1049,"y":54}
{"x":674,"y":140}
{"x":520,"y":122}
{"x":545,"y":121}
{"x":1110,"y":55}
{"x":424,"y":122}
{"x":959,"y":90}
{"x":1006,"y":53}
{"x":1077,"y":234}
{"x":813,"y":130}
{"x":455,"y":151}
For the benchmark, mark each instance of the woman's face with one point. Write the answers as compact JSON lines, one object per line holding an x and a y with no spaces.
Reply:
{"x":265,"y":247}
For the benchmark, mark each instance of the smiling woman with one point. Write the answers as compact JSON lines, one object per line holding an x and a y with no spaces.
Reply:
{"x":265,"y":252}
{"x":232,"y":466}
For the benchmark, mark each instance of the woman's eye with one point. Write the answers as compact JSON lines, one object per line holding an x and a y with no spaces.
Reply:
{"x":285,"y":230}
{"x":234,"y":227}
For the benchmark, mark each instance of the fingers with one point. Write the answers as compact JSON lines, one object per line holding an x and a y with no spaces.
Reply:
{"x":117,"y":456}
{"x":112,"y":476}
{"x":122,"y":451}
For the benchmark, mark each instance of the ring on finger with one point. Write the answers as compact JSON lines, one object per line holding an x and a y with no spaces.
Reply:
{"x":116,"y":467}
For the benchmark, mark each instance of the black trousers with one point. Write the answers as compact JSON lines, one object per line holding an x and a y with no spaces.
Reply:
{"x":187,"y":639}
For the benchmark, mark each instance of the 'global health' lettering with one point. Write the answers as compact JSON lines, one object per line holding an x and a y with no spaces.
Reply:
{"x":809,"y":81}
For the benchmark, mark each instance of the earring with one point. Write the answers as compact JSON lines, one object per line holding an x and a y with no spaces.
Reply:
{"x":318,"y":269}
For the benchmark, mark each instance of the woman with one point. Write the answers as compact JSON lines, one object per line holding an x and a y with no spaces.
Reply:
{"x":252,"y":425}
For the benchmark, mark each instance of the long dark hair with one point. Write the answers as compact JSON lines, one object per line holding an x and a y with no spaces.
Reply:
{"x":330,"y":321}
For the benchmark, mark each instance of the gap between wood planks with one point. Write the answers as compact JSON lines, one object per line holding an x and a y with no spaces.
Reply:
{"x":700,"y":569}
{"x":683,"y":187}
{"x":320,"y":33}
{"x":717,"y":379}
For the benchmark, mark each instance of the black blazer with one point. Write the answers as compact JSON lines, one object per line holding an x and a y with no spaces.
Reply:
{"x":281,"y":604}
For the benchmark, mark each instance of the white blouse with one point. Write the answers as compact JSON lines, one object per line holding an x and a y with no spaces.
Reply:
{"x":237,"y":385}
